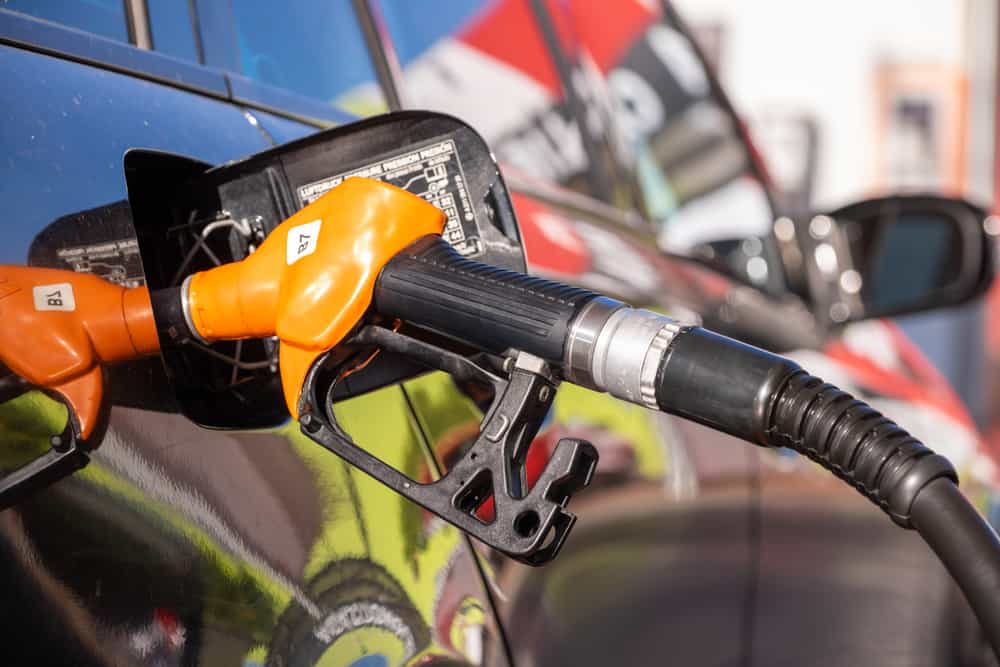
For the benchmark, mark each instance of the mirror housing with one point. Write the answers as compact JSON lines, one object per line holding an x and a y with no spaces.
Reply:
{"x":897,"y":255}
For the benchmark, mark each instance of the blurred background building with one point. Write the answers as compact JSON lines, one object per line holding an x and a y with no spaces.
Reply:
{"x":859,"y":98}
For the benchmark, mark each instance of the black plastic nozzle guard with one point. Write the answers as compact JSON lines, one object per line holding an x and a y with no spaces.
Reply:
{"x":65,"y":456}
{"x":529,"y":525}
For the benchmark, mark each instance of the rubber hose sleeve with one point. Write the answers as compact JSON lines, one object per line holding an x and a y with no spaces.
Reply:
{"x":855,"y":442}
{"x":720,"y":382}
{"x":168,"y":311}
{"x":967,"y":546}
{"x":769,"y":400}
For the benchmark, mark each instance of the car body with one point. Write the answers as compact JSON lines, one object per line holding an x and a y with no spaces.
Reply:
{"x":181,"y":545}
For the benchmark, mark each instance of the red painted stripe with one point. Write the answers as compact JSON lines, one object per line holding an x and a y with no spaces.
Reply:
{"x":926,"y":388}
{"x":507,"y":32}
{"x":608,"y":30}
{"x":568,"y":259}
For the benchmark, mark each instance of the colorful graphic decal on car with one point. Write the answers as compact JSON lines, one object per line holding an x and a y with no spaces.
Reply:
{"x":638,"y":104}
{"x":381,"y":582}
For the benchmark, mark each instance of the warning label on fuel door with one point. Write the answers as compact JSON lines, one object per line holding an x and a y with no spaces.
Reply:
{"x":116,"y":261}
{"x":433,"y":172}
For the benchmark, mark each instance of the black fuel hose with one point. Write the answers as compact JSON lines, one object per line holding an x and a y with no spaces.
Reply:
{"x":917,"y":488}
{"x":651,"y":360}
{"x":966,"y":545}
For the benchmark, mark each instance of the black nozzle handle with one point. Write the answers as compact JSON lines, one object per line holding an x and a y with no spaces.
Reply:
{"x":430,"y":285}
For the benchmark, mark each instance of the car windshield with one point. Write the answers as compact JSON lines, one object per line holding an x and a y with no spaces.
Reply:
{"x":648,"y":104}
{"x":687,"y":153}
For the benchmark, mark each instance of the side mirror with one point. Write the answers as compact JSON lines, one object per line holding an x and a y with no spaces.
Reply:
{"x":897,"y":255}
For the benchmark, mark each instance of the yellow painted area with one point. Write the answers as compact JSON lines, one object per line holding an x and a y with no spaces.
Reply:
{"x":634,"y":424}
{"x":378,"y":422}
{"x":234,"y":590}
{"x":470,"y":616}
{"x":256,"y":655}
{"x":383,"y":526}
{"x":235,"y":593}
{"x":360,"y":642}
{"x":440,"y":406}
{"x":361,"y":104}
{"x":26,"y":423}
{"x":362,"y":518}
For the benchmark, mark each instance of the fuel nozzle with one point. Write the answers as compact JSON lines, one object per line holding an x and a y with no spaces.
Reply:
{"x":60,"y":328}
{"x":311,"y":281}
{"x":311,"y":284}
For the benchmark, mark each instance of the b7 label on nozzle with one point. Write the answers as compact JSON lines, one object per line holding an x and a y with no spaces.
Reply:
{"x":301,"y":241}
{"x":54,"y":297}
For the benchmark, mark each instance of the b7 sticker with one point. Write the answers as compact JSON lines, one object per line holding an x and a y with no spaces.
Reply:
{"x":301,"y":241}
{"x":54,"y":297}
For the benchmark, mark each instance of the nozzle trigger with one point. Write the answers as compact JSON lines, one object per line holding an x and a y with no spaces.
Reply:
{"x":529,"y":525}
{"x":65,"y":456}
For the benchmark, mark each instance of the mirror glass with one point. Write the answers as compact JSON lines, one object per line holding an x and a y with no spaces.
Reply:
{"x":915,"y":256}
{"x":897,"y":255}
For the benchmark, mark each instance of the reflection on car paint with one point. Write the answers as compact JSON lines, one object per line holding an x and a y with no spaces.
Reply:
{"x":180,"y":545}
{"x":376,"y":579}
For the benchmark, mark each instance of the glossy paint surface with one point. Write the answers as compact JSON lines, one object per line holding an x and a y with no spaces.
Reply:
{"x":179,"y":545}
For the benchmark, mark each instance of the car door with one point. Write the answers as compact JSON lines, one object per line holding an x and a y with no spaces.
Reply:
{"x":177,"y":544}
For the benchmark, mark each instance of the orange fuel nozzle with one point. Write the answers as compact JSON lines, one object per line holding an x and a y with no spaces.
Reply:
{"x":60,"y":327}
{"x":311,"y":281}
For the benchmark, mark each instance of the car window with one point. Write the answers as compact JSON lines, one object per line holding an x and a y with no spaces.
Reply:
{"x":311,"y":47}
{"x":172,"y":28}
{"x":100,"y":17}
{"x":686,"y":150}
{"x":638,"y":89}
{"x":491,"y":63}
